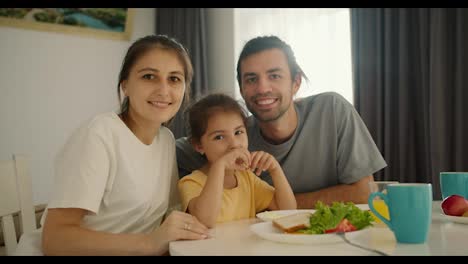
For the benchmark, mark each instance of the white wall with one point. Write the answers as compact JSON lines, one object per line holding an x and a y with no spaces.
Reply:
{"x":49,"y":84}
{"x":221,"y":57}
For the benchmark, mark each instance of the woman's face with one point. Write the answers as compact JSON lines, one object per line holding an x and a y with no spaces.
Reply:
{"x":155,"y":86}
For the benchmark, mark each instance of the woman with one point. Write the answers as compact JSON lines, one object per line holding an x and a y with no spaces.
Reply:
{"x":117,"y":173}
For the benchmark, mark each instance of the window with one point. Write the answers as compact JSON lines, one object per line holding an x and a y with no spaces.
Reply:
{"x":319,"y":37}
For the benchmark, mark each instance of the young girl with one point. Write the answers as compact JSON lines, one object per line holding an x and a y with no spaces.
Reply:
{"x":225,"y":188}
{"x":114,"y":175}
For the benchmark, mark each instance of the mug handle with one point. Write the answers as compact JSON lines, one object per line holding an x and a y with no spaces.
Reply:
{"x":372,"y":208}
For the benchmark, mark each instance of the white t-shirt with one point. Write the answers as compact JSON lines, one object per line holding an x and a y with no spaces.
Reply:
{"x":126,"y":185}
{"x":106,"y":169}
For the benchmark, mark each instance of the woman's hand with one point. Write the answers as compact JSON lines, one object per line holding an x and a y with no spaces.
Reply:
{"x":263,"y":161}
{"x":177,"y":226}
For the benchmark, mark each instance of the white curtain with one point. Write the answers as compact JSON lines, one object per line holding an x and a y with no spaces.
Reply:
{"x":319,"y":37}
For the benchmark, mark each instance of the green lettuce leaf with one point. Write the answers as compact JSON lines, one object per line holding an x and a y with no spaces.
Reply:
{"x":328,"y":217}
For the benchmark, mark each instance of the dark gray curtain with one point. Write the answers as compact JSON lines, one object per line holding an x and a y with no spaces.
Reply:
{"x":187,"y":25}
{"x":411,"y":88}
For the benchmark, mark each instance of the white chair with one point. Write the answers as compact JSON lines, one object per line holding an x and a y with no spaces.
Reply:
{"x":15,"y":197}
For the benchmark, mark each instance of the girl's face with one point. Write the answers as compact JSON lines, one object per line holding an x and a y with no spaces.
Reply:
{"x":155,"y":86}
{"x":225,"y":131}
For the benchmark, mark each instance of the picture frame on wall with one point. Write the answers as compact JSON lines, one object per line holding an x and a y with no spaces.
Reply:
{"x":106,"y":23}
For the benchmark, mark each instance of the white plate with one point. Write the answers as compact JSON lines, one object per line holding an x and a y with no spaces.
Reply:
{"x":267,"y":231}
{"x":270,"y":215}
{"x":456,"y":219}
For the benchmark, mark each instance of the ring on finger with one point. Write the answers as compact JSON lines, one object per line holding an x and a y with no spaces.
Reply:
{"x":187,"y":226}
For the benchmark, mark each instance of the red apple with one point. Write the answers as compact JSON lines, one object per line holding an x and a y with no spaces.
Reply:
{"x":454,"y":205}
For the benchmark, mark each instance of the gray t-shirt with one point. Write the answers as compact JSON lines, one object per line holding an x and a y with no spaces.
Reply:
{"x":330,"y":146}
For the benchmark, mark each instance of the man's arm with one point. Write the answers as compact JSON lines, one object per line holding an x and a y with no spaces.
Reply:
{"x":357,"y":193}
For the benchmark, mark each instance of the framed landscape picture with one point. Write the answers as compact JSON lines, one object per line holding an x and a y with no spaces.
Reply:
{"x":108,"y":23}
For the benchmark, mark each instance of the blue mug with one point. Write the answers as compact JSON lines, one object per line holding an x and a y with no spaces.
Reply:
{"x":454,"y":183}
{"x":410,"y":208}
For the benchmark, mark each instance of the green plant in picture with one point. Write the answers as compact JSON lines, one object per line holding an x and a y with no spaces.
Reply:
{"x":106,"y":22}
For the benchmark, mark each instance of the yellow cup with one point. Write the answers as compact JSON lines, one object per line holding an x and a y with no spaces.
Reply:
{"x":379,"y":205}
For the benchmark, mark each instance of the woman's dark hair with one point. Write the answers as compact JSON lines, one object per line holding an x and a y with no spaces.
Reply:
{"x":201,"y":111}
{"x":145,"y":44}
{"x":262,"y":43}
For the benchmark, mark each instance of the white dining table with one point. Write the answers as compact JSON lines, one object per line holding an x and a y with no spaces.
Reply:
{"x":236,"y":238}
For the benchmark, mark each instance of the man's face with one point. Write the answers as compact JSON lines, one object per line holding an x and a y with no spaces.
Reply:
{"x":267,"y":85}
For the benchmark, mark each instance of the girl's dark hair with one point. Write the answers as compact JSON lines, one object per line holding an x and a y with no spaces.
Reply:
{"x":262,"y":43}
{"x":145,"y":44}
{"x":200,"y":112}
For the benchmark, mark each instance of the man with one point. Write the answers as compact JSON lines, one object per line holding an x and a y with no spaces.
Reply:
{"x":320,"y":141}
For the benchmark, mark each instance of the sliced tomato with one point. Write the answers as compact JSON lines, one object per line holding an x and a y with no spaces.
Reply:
{"x":343,"y":226}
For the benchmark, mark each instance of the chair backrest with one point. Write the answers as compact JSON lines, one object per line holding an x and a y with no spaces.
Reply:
{"x":15,"y":197}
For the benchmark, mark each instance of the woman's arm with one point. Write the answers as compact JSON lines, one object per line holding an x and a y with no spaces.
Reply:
{"x":63,"y":234}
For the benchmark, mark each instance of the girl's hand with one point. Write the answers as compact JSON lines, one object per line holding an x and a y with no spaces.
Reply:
{"x":177,"y":226}
{"x":236,"y":159}
{"x":262,"y":161}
